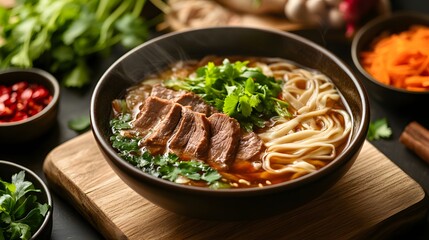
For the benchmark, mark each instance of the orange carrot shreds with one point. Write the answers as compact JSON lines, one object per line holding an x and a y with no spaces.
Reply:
{"x":400,"y":60}
{"x":417,"y":81}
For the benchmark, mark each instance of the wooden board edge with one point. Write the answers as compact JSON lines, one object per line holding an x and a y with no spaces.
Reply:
{"x":400,"y":222}
{"x":77,"y":198}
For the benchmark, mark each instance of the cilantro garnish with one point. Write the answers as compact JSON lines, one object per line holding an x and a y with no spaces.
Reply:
{"x":167,"y":166}
{"x":20,"y":213}
{"x":239,"y":91}
{"x":379,"y":129}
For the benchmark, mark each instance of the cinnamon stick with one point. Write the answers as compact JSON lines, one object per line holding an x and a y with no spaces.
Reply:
{"x":416,"y":138}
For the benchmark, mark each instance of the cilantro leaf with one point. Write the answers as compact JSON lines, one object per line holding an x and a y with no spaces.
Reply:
{"x":379,"y":129}
{"x":230,"y":104}
{"x":245,"y":107}
{"x":254,"y":101}
{"x":78,"y":76}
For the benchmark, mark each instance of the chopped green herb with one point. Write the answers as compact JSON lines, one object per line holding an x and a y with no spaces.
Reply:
{"x":20,"y":213}
{"x":167,"y":166}
{"x":239,"y":91}
{"x":379,"y":129}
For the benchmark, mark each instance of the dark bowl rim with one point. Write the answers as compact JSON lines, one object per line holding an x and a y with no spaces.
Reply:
{"x":45,"y":191}
{"x":353,"y":146}
{"x":50,"y":80}
{"x":375,"y":23}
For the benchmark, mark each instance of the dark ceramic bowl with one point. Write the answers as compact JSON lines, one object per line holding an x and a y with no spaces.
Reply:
{"x":388,"y":95}
{"x":205,"y":203}
{"x":7,"y":169}
{"x":34,"y":126}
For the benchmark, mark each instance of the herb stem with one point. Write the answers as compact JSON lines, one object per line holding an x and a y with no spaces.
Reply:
{"x":109,"y":22}
{"x":101,"y":9}
{"x":283,"y":103}
{"x":161,"y":6}
{"x":138,"y":8}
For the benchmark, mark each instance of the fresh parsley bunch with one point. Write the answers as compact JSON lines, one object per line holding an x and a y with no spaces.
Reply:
{"x":20,"y":213}
{"x":239,"y":91}
{"x":61,"y":36}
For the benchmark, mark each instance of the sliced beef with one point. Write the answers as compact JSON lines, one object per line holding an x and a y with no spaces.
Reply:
{"x":156,"y":122}
{"x":164,"y":124}
{"x":156,"y":140}
{"x":188,"y":99}
{"x":250,"y":147}
{"x":165,"y":93}
{"x":151,"y":114}
{"x":195,"y":103}
{"x":224,"y":141}
{"x":192,"y":136}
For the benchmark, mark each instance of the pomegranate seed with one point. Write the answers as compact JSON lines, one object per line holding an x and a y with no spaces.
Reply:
{"x":40,"y":93}
{"x":35,"y":106}
{"x":5,"y":111}
{"x":19,"y":86}
{"x":21,"y":106}
{"x":4,"y":96}
{"x":46,"y":101}
{"x":12,"y":99}
{"x":26,"y":94}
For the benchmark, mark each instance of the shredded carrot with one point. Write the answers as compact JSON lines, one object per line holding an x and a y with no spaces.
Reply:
{"x":400,"y":60}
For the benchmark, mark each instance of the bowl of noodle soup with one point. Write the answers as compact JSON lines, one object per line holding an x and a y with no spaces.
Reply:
{"x":229,"y":122}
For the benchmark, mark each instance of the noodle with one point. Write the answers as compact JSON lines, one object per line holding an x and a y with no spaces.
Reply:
{"x":317,"y":129}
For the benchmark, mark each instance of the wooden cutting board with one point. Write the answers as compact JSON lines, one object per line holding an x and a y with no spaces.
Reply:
{"x":372,"y":200}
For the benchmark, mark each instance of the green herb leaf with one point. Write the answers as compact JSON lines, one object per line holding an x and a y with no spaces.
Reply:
{"x":245,"y":107}
{"x":211,"y":176}
{"x":20,"y":213}
{"x":219,"y":185}
{"x":379,"y":129}
{"x":79,"y":124}
{"x":230,"y":104}
{"x":6,"y":203}
{"x":249,"y":86}
{"x":77,"y":28}
{"x":34,"y":217}
{"x":78,"y":77}
{"x":22,"y":187}
{"x":19,"y":231}
{"x":254,"y":101}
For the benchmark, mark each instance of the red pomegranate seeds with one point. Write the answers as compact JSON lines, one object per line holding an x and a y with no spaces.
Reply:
{"x":22,"y":100}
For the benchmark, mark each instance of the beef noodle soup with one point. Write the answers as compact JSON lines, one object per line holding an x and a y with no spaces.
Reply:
{"x":231,"y":122}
